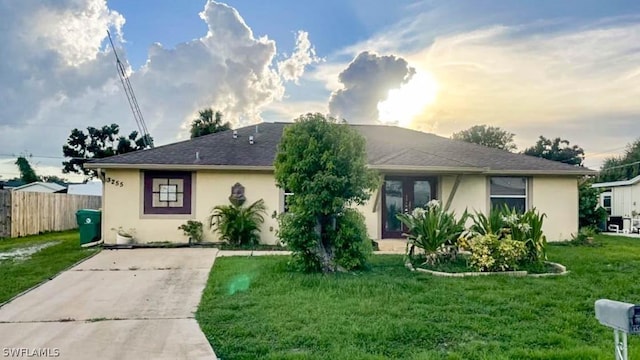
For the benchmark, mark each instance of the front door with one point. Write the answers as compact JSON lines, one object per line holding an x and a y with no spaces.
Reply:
{"x":401,"y":195}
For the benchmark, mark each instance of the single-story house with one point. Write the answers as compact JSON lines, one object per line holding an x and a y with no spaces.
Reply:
{"x":621,"y":199}
{"x":40,"y":186}
{"x":154,"y":191}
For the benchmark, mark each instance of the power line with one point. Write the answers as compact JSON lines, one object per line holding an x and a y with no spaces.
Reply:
{"x":131,"y":97}
{"x":621,"y":166}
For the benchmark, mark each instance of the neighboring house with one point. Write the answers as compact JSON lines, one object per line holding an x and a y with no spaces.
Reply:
{"x":621,"y":199}
{"x":39,"y":186}
{"x":93,"y":188}
{"x":157,"y":190}
{"x":11,"y":184}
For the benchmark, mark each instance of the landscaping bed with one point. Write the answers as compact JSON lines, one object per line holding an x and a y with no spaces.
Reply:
{"x":256,"y":308}
{"x":28,"y":261}
{"x":459,"y":266}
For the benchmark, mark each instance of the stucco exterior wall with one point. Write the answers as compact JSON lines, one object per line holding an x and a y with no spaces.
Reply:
{"x":471,"y":194}
{"x":372,"y":214}
{"x":213,"y":188}
{"x":558,"y":198}
{"x":122,"y":206}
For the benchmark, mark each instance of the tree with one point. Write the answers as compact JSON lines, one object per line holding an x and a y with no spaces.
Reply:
{"x":323,"y":163}
{"x":27,"y":174}
{"x":55,"y":179}
{"x":622,"y":167}
{"x":490,"y":136}
{"x":206,"y":124}
{"x":98,"y":143}
{"x":590,"y":213}
{"x":557,"y":150}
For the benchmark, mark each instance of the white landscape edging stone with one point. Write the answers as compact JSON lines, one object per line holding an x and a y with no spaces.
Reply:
{"x":562,"y":270}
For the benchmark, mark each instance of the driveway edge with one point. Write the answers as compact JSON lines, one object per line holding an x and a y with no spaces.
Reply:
{"x":49,"y":278}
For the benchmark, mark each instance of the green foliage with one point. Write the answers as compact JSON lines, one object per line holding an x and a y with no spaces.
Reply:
{"x":492,"y":224}
{"x":527,"y":228}
{"x":238,"y":224}
{"x":590,"y":213}
{"x":557,"y":150}
{"x":192,"y":229}
{"x":27,"y":174}
{"x":489,"y":253}
{"x":585,"y":236}
{"x":98,"y":143}
{"x":506,"y":222}
{"x":431,"y":229}
{"x":623,"y":167}
{"x":324,"y":164}
{"x":490,"y":136}
{"x":297,"y":232}
{"x":207,"y":123}
{"x":352,"y":245}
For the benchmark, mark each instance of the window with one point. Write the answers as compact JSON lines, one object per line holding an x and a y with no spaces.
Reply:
{"x":606,"y":202}
{"x":511,"y":191}
{"x":167,"y":192}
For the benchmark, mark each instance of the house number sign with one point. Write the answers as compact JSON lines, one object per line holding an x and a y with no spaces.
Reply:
{"x":115,"y":182}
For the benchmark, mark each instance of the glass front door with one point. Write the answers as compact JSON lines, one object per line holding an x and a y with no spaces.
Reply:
{"x":401,"y":195}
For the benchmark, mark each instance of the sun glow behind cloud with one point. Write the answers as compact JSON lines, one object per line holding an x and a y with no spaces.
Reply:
{"x":404,"y":104}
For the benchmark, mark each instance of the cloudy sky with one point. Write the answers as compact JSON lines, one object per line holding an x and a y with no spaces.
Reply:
{"x":543,"y":67}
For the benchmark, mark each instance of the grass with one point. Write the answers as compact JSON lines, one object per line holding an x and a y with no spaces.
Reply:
{"x":254,"y":307}
{"x":20,"y":275}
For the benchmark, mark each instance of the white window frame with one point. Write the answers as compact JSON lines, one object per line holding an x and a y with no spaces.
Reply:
{"x":525,"y":196}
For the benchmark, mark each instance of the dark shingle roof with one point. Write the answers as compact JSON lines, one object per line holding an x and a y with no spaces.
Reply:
{"x":387,"y":146}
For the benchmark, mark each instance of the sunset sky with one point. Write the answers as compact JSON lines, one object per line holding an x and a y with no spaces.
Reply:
{"x":552,"y":68}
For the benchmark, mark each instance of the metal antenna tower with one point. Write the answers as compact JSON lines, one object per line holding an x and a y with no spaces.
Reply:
{"x":131,"y":97}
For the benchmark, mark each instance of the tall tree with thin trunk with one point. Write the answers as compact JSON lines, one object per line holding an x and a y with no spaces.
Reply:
{"x":98,"y":143}
{"x":27,"y":174}
{"x":207,"y":123}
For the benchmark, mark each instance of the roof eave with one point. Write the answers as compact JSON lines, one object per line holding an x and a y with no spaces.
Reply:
{"x":577,"y":172}
{"x":429,"y":169}
{"x":177,"y":167}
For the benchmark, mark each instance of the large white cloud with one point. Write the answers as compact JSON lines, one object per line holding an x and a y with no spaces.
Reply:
{"x":292,"y":69}
{"x":57,"y":75}
{"x":365,"y":82}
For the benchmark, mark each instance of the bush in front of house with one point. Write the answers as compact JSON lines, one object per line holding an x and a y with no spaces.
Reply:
{"x":238,"y":224}
{"x":323,"y":164}
{"x":489,"y":253}
{"x":503,"y":240}
{"x":433,"y":231}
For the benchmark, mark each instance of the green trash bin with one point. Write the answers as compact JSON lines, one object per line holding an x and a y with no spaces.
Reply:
{"x":89,"y":223}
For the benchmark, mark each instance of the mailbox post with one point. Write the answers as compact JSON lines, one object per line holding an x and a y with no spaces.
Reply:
{"x":623,"y":318}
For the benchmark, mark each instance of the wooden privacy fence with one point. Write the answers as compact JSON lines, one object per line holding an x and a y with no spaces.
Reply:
{"x":27,"y":213}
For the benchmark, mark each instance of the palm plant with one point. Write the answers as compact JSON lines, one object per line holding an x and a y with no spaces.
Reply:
{"x":493,"y":224}
{"x":238,"y":224}
{"x":431,"y":230}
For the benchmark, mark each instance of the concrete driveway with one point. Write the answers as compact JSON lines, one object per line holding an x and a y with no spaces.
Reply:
{"x":120,"y":304}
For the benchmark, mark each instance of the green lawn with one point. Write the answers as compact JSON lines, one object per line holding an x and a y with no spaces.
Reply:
{"x":17,"y":275}
{"x":256,"y":308}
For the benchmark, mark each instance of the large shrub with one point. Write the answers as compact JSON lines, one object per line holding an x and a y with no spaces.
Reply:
{"x":431,"y":229}
{"x":238,"y":224}
{"x":323,"y":163}
{"x":590,"y":213}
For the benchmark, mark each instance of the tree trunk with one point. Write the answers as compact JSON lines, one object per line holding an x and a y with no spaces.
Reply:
{"x":325,"y":248}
